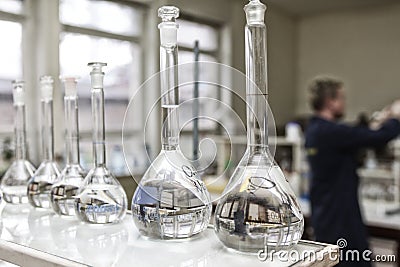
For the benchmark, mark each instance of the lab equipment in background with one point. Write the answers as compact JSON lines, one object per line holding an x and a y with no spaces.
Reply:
{"x":380,"y":175}
{"x":15,"y":181}
{"x":101,"y":199}
{"x":64,"y":191}
{"x":170,"y":202}
{"x":40,"y":184}
{"x":370,"y":160}
{"x":117,"y":163}
{"x":293,"y":132}
{"x":258,"y":210}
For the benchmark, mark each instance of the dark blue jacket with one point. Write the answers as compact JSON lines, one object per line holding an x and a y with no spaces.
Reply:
{"x":331,"y":149}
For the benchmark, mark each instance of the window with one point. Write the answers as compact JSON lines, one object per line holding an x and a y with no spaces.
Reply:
{"x":93,"y":30}
{"x":105,"y":16}
{"x":76,"y":50}
{"x":11,"y":6}
{"x":190,"y":31}
{"x":10,"y":69}
{"x":208,"y":35}
{"x":108,"y":32}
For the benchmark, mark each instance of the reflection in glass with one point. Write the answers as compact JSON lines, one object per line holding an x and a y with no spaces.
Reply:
{"x":15,"y":223}
{"x":63,"y":232}
{"x":198,"y":252}
{"x":39,"y":221}
{"x":102,"y":246}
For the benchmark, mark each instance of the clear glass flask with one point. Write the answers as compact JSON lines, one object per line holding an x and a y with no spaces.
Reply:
{"x":40,"y":184}
{"x":258,"y":210}
{"x":64,"y":191}
{"x":15,"y":180}
{"x":101,"y":199}
{"x":170,"y":202}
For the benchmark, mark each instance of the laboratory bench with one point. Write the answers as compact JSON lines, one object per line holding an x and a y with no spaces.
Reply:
{"x":379,"y":223}
{"x":33,"y":237}
{"x":383,"y":225}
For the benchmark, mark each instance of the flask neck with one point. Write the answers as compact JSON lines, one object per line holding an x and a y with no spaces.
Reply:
{"x":19,"y":132}
{"x":71,"y":130}
{"x":170,"y":128}
{"x":99,"y":149}
{"x":169,"y":96}
{"x":47,"y":130}
{"x":256,"y":87}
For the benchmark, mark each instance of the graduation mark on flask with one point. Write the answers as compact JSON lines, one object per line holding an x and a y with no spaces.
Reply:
{"x":260,"y":182}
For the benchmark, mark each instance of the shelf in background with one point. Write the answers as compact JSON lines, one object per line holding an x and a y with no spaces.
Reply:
{"x":376,"y":173}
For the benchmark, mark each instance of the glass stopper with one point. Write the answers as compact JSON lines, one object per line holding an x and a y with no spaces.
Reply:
{"x":168,"y":13}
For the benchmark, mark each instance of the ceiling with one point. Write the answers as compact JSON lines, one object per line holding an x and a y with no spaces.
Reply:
{"x":307,"y":7}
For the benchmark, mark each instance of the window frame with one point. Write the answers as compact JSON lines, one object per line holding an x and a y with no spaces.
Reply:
{"x":216,"y":25}
{"x":133,"y":39}
{"x":16,"y":18}
{"x":113,"y":135}
{"x":36,"y":44}
{"x":216,"y":53}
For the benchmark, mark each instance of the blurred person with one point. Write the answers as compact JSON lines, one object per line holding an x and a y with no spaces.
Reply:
{"x":332,"y":149}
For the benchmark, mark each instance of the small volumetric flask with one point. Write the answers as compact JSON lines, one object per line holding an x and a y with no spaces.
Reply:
{"x":40,"y":184}
{"x":64,"y":191}
{"x":258,"y":210}
{"x":170,"y":202}
{"x":101,"y":199}
{"x":15,"y":181}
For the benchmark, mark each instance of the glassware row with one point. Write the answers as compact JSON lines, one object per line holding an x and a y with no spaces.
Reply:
{"x":257,"y":211}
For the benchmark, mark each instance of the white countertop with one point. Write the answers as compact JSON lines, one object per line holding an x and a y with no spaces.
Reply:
{"x":374,"y":213}
{"x":33,"y":237}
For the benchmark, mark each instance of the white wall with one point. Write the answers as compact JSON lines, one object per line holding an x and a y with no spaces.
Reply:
{"x":360,"y":46}
{"x":281,"y":64}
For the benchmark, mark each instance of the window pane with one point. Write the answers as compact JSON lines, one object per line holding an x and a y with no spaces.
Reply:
{"x":122,"y":73}
{"x":10,"y":69}
{"x":102,"y":15}
{"x":205,"y":90}
{"x":189,"y":32}
{"x":206,"y":75}
{"x":13,"y":6}
{"x":77,"y":50}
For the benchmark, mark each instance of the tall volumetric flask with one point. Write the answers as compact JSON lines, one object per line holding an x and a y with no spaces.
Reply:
{"x":258,"y":210}
{"x":64,"y":191}
{"x":170,"y":202}
{"x":40,"y":184}
{"x":101,"y":199}
{"x":15,"y":180}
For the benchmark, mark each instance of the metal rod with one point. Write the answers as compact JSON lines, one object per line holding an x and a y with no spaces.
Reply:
{"x":196,"y":102}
